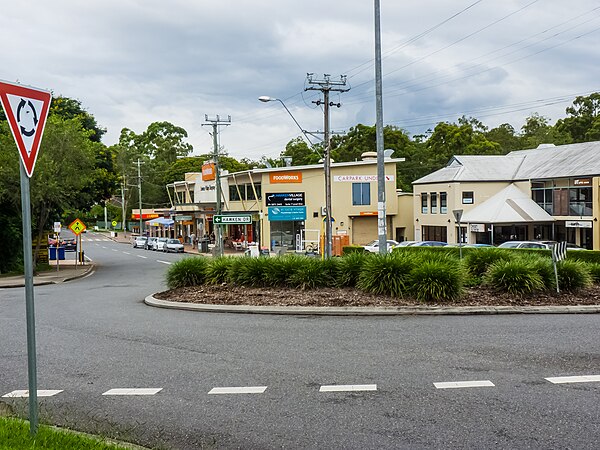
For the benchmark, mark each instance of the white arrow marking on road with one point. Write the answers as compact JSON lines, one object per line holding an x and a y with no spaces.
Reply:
{"x":163,"y":262}
{"x":579,"y":379}
{"x":238,"y":390}
{"x":463,"y":384}
{"x":25,"y":394}
{"x":348,"y":388}
{"x":133,"y":391}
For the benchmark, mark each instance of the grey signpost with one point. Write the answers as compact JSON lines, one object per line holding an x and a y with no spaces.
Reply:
{"x":458,"y":215}
{"x":26,"y":110}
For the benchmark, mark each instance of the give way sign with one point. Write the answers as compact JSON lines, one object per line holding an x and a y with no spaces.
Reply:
{"x":26,"y":109}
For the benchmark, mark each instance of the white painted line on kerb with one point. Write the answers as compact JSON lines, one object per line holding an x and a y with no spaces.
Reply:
{"x":238,"y":390}
{"x":140,"y":256}
{"x":463,"y":384}
{"x":163,"y":262}
{"x":578,"y":379}
{"x":348,"y":388}
{"x":133,"y":391}
{"x":25,"y":394}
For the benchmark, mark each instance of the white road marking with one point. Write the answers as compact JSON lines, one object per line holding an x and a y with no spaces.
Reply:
{"x":140,"y":256}
{"x":238,"y":390}
{"x":463,"y":384}
{"x":578,"y":379}
{"x":348,"y":388}
{"x":127,"y":253}
{"x":163,"y":262}
{"x":25,"y":393}
{"x":103,"y":246}
{"x":114,"y":250}
{"x":133,"y":391}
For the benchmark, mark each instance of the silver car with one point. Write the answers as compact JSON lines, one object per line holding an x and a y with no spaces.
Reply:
{"x":173,"y":245}
{"x":139,"y":241}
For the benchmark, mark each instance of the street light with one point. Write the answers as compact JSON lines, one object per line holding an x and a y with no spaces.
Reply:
{"x":266,"y":98}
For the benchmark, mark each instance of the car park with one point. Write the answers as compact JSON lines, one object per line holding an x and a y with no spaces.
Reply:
{"x":525,"y":244}
{"x":139,"y":241}
{"x":159,"y":243}
{"x":173,"y":245}
{"x":149,"y":245}
{"x":373,"y":246}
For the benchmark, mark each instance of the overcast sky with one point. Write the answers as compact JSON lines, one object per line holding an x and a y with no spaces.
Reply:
{"x":134,"y":62}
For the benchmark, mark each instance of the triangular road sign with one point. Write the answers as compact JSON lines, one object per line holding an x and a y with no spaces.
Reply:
{"x":26,"y":109}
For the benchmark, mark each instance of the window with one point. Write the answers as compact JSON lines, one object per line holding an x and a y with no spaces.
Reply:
{"x":246,"y":191}
{"x":361,"y":194}
{"x":443,"y":203}
{"x":431,"y":233}
{"x":433,"y":203}
{"x":424,"y":203}
{"x":580,"y":201}
{"x":467,"y":198}
{"x":233,"y":194}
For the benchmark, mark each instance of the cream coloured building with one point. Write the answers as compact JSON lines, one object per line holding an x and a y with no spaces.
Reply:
{"x":548,"y":193}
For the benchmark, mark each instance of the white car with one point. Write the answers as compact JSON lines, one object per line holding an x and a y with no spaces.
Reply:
{"x":525,"y":244}
{"x":173,"y":245}
{"x":159,"y":244}
{"x":139,"y":241}
{"x":373,"y":246}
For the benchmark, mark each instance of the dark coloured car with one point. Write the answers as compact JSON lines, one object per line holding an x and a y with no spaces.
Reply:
{"x":70,"y":244}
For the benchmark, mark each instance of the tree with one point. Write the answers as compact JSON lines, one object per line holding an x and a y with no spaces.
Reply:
{"x":582,"y":115}
{"x":68,"y":108}
{"x":506,"y":136}
{"x":177,"y":170}
{"x":301,"y":153}
{"x":537,"y":130}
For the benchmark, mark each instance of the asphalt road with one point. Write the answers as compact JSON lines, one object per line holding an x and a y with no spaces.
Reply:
{"x":95,"y":334}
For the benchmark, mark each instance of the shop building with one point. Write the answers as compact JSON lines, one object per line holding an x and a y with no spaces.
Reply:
{"x":548,"y":193}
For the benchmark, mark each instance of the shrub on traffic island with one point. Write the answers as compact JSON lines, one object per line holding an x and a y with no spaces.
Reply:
{"x":349,"y":267}
{"x":516,"y":277}
{"x":218,"y":269}
{"x":187,"y":272}
{"x":573,"y":275}
{"x":386,"y":274}
{"x":436,"y":279}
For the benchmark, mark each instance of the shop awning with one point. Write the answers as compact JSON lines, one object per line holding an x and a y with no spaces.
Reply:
{"x":510,"y":205}
{"x":159,"y":221}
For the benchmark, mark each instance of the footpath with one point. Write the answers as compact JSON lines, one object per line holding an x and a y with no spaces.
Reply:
{"x":67,"y":271}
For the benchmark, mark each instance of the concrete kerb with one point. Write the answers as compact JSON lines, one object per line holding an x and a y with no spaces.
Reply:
{"x":373,"y":311}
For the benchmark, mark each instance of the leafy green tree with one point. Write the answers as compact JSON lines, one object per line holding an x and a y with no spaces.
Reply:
{"x":582,"y":116}
{"x":68,"y":108}
{"x":537,"y":130}
{"x":177,"y":170}
{"x":505,"y":136}
{"x":301,"y":153}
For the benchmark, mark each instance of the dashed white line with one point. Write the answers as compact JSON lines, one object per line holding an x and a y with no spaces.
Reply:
{"x":348,"y":388}
{"x":463,"y":384}
{"x":140,"y":256}
{"x":133,"y":391}
{"x":238,"y":390}
{"x":25,"y":393}
{"x":163,"y":262}
{"x":103,"y":246}
{"x":114,"y":250}
{"x":127,"y":253}
{"x":575,"y":379}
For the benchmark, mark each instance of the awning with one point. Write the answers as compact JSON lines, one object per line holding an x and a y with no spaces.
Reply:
{"x":160,"y":221}
{"x":510,"y":205}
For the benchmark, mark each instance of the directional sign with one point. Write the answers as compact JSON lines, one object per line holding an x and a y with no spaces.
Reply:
{"x":226,"y":220}
{"x":457,"y":214}
{"x":26,"y":109}
{"x":77,"y":227}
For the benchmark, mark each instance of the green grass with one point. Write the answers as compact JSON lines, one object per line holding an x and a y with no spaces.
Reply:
{"x":14,"y":435}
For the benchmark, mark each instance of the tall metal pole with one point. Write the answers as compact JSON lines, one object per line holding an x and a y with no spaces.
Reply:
{"x":381,"y":211}
{"x":140,"y":192}
{"x":29,"y":303}
{"x":328,"y":231}
{"x":219,"y":230}
{"x":123,"y":223}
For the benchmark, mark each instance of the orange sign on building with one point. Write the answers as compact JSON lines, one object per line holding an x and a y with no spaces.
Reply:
{"x":208,"y":172}
{"x":286,"y":177}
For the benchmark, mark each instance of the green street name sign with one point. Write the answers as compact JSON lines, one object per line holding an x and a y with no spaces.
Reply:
{"x":224,"y":220}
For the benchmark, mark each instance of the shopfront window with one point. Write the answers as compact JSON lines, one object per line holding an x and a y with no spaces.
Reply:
{"x":284,"y":233}
{"x":580,"y":201}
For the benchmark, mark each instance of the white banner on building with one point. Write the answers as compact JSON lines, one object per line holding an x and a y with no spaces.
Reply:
{"x":578,"y":223}
{"x":360,"y":178}
{"x":477,"y":228}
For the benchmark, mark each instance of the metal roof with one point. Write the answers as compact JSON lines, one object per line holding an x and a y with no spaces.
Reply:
{"x":564,"y":161}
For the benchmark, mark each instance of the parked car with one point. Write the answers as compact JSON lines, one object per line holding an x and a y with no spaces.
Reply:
{"x":373,"y":246}
{"x":173,"y":245}
{"x":525,"y":244}
{"x":429,"y":244}
{"x":149,"y":245}
{"x":569,"y":245}
{"x":159,"y":244}
{"x":406,"y":244}
{"x":70,"y":244}
{"x":139,"y":241}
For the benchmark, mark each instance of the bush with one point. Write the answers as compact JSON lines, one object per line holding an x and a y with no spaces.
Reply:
{"x":543,"y":266}
{"x":477,"y":262}
{"x":187,"y":272}
{"x":589,"y":256}
{"x":217,"y":270}
{"x":573,"y":275}
{"x":436,"y":280}
{"x":279,"y":269}
{"x":386,"y":274}
{"x":250,"y":271}
{"x":313,"y":273}
{"x":349,"y":268}
{"x":517,"y":277}
{"x":349,"y":249}
{"x":594,"y":269}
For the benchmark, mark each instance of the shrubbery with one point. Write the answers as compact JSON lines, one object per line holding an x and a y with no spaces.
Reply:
{"x":427,"y":274}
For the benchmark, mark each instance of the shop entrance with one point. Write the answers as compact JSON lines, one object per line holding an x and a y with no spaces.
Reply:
{"x":284,"y":234}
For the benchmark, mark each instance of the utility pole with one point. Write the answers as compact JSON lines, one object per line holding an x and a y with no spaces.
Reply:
{"x":139,"y":165}
{"x":381,"y":203}
{"x":215,"y":123}
{"x":326,"y":85}
{"x":123,"y":208}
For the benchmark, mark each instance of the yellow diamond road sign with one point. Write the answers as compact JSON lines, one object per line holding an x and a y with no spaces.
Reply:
{"x":77,"y":227}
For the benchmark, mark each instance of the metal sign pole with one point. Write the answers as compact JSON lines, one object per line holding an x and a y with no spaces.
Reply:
{"x":29,"y":304}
